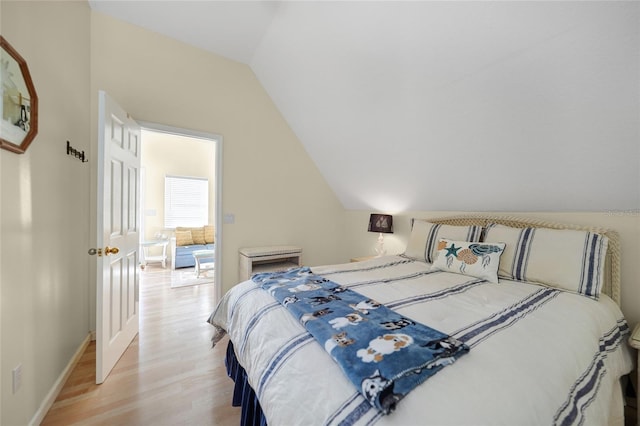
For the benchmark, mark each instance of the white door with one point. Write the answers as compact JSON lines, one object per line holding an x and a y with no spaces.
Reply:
{"x":118,"y":227}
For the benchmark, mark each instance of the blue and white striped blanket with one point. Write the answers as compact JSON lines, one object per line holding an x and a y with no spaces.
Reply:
{"x":384,"y":354}
{"x":564,"y":351}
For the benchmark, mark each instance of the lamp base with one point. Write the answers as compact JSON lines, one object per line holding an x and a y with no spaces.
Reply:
{"x":380,"y":250}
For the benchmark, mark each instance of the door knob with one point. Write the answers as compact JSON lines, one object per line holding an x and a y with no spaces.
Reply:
{"x":107,"y":251}
{"x":111,"y":250}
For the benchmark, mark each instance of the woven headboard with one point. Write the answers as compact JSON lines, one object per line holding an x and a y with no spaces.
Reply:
{"x":611,"y":286}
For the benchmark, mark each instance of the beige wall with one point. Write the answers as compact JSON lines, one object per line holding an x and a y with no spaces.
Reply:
{"x":269,"y":183}
{"x":47,"y":283}
{"x":44,"y":275}
{"x":361,"y":243}
{"x":166,"y":154}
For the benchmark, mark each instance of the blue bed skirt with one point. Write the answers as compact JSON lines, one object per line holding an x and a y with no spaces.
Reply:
{"x":243,"y":394}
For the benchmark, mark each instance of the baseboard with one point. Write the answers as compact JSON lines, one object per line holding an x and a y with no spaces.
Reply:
{"x":57,"y":386}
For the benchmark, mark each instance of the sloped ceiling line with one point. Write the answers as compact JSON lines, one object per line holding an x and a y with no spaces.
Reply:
{"x":519,"y":106}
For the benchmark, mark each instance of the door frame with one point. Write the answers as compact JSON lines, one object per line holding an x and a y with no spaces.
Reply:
{"x":217,"y":140}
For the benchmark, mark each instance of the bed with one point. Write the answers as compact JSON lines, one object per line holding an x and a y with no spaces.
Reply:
{"x":539,"y":313}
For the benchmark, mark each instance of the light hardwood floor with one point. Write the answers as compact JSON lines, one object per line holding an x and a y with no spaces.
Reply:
{"x":169,"y":375}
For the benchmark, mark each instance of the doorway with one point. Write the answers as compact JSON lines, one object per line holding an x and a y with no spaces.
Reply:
{"x":168,"y":151}
{"x":118,"y":225}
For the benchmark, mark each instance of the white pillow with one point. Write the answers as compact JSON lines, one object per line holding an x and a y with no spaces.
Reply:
{"x":562,"y":258}
{"x":423,"y":241}
{"x":480,"y":260}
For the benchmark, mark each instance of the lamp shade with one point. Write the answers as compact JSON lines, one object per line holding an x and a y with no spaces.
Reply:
{"x":381,"y":223}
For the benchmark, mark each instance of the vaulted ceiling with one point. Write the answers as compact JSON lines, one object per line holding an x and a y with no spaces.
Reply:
{"x":440,"y":105}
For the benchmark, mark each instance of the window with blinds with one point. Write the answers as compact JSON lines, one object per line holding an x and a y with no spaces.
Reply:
{"x":186,"y":201}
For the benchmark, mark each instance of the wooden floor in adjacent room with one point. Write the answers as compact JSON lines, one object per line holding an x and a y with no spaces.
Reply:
{"x":169,"y":375}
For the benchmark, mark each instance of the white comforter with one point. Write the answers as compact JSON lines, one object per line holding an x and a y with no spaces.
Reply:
{"x":538,"y":356}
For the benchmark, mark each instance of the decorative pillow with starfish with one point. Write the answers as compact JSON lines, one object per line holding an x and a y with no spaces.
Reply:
{"x":480,"y":260}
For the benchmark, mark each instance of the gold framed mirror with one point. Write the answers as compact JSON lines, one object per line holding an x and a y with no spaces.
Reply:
{"x":19,"y":110}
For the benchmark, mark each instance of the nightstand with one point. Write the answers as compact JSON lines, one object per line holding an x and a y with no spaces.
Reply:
{"x":360,"y":259}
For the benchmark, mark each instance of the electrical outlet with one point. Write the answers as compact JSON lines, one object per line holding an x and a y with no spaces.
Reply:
{"x":229,"y":218}
{"x":17,"y":378}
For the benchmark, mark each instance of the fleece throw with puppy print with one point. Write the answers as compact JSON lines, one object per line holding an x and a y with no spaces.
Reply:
{"x":384,"y":354}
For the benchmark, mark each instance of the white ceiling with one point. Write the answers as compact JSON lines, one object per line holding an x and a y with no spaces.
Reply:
{"x":228,"y":28}
{"x":425,"y":105}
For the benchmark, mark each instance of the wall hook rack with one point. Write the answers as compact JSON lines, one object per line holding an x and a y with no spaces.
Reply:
{"x":75,"y":153}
